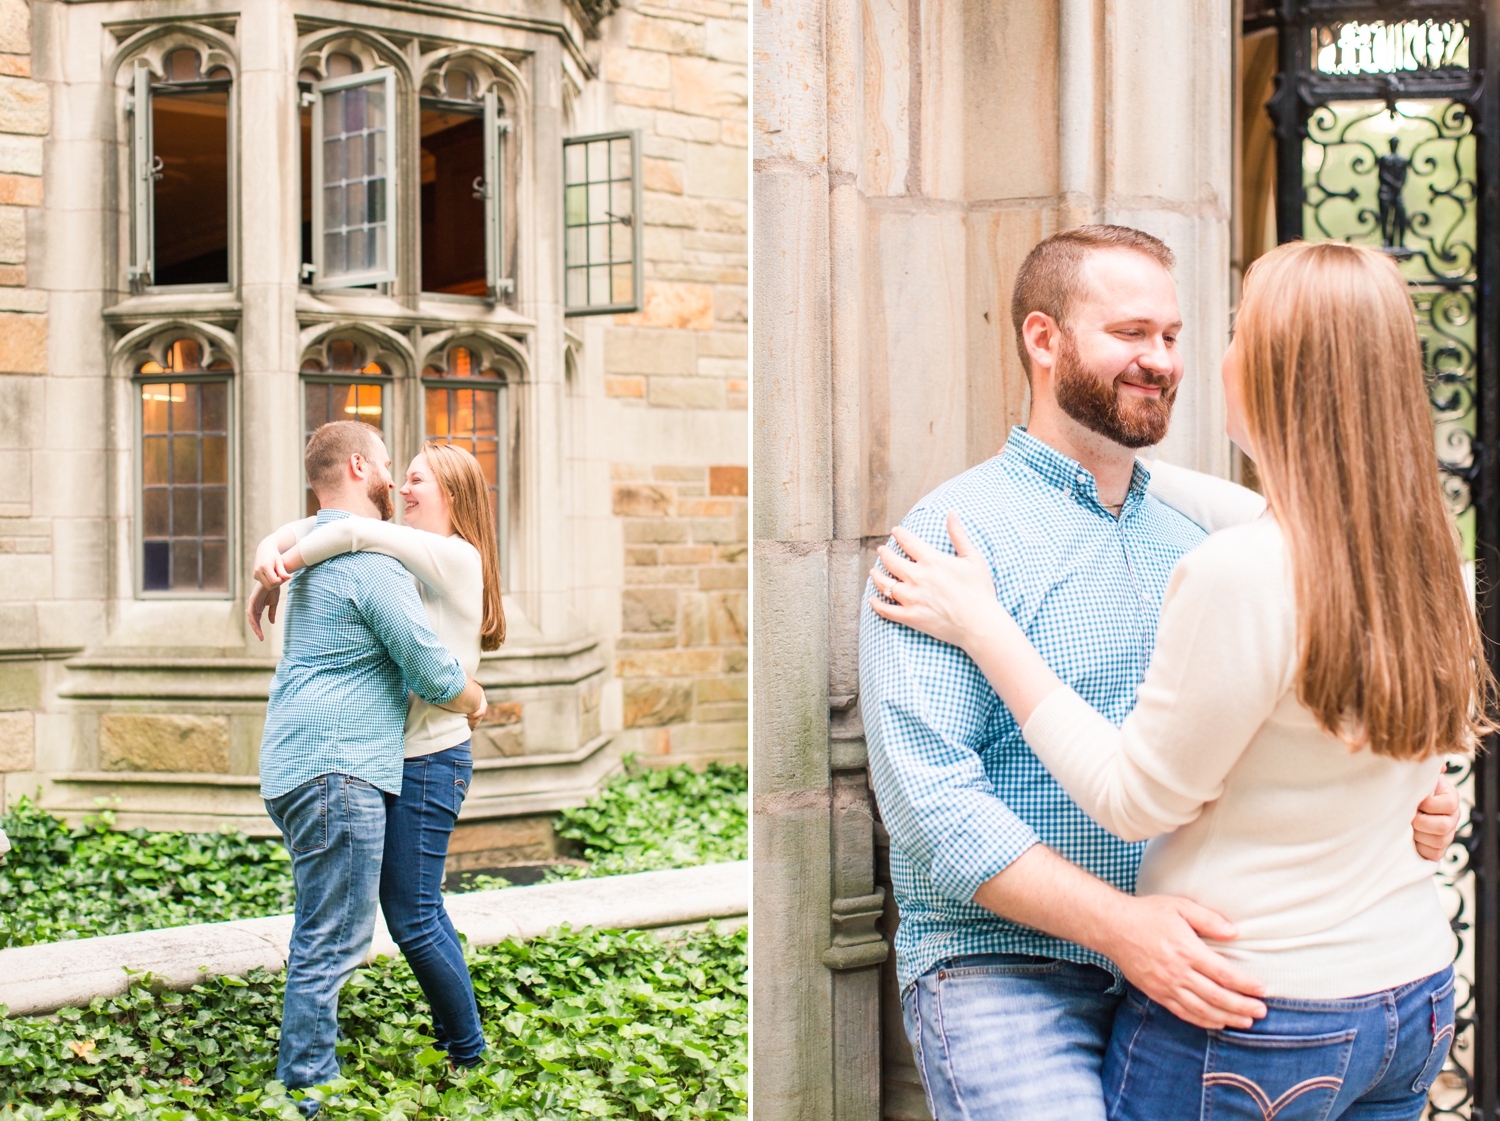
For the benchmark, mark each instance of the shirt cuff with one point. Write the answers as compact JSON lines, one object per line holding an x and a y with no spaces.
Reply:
{"x":989,"y":842}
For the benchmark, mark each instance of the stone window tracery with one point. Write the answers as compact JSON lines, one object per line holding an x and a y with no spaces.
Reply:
{"x":180,"y":191}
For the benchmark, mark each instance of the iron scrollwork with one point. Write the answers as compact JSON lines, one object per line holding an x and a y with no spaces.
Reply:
{"x":1376,"y":114}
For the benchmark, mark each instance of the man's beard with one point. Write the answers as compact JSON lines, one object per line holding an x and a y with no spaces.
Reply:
{"x":1131,"y":421}
{"x":380,"y":494}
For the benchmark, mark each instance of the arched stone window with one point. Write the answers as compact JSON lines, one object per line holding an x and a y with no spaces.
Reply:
{"x":467,"y":403}
{"x":183,"y":469}
{"x":465,"y":178}
{"x":181,"y":186}
{"x":343,"y":380}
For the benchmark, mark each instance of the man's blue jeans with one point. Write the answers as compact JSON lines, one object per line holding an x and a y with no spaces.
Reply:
{"x":1366,"y":1058}
{"x":417,"y":827}
{"x":334,"y":827}
{"x":1011,"y":1037}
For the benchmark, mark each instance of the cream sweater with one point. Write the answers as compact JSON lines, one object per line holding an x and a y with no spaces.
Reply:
{"x":450,"y":580}
{"x":1255,"y":812}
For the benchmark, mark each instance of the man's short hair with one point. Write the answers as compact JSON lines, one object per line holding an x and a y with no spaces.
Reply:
{"x":330,"y":448}
{"x":1051,"y":277}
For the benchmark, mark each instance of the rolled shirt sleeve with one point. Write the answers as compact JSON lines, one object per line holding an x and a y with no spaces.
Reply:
{"x":394,"y":612}
{"x":927,"y":712}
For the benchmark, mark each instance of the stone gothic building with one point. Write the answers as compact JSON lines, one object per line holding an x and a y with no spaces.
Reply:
{"x":517,"y":225}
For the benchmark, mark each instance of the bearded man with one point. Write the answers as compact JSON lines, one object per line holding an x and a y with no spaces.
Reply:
{"x":1017,"y":918}
{"x":356,"y":640}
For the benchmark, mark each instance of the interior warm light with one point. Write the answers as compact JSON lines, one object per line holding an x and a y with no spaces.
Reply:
{"x":363,"y":410}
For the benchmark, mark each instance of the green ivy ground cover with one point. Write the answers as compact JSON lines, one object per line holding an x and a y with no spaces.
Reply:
{"x":581,"y":1025}
{"x":60,"y":882}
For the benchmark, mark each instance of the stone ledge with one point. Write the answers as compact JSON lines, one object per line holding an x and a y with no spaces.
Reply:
{"x":39,"y":979}
{"x":202,"y":803}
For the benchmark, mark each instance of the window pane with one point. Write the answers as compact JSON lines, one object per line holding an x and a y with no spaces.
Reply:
{"x":215,"y":565}
{"x":154,"y":400}
{"x":599,"y":284}
{"x":437,"y":412}
{"x":156,"y":571}
{"x":185,"y":512}
{"x":154,"y":506}
{"x":620,"y":160}
{"x":215,"y":512}
{"x":453,"y":252}
{"x":184,"y":459}
{"x":184,"y":563}
{"x":578,"y":288}
{"x":184,"y":407}
{"x":215,"y":460}
{"x":318,"y":406}
{"x":154,"y":460}
{"x":624,"y":284}
{"x":484,"y":411}
{"x":576,"y":205}
{"x":487,"y":462}
{"x":574,"y":170}
{"x":215,"y":407}
{"x":368,"y":405}
{"x":598,"y":161}
{"x":463,"y":412}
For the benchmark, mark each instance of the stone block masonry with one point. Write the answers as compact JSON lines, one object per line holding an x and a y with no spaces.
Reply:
{"x":25,"y":117}
{"x":679,"y":73}
{"x":684,"y":612}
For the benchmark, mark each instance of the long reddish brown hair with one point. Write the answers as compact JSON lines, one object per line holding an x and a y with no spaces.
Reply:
{"x":1391,"y":655}
{"x":459,"y":474}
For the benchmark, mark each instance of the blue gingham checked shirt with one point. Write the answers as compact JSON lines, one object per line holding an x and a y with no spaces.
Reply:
{"x":357,"y":640}
{"x":960,"y":792}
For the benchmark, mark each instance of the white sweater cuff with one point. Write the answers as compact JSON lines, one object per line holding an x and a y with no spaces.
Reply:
{"x":1061,"y":717}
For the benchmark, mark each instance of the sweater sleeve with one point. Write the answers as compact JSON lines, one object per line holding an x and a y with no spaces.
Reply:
{"x":300,"y":528}
{"x":1222,"y":662}
{"x":444,"y":564}
{"x":1207,"y":500}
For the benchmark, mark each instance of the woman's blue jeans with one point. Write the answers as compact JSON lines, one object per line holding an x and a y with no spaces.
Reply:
{"x":418,"y":825}
{"x":1365,"y":1058}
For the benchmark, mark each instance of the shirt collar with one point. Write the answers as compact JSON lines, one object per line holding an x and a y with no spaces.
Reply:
{"x":1068,"y":475}
{"x":325,"y":515}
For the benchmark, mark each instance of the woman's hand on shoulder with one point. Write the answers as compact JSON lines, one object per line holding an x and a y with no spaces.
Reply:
{"x":947,"y":597}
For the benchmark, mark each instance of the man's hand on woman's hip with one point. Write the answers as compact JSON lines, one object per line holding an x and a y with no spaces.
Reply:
{"x":1436,"y":823}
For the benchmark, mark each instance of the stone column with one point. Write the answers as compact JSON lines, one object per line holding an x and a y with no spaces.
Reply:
{"x":270,"y":256}
{"x":792,"y":990}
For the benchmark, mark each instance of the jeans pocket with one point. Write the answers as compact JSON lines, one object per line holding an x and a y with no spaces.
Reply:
{"x":461,"y":778}
{"x":1442,"y":1036}
{"x":305,"y":821}
{"x":1252,"y":1077}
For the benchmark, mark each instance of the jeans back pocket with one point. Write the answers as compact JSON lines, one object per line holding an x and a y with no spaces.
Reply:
{"x":1442,"y":1036}
{"x":1252,"y":1077}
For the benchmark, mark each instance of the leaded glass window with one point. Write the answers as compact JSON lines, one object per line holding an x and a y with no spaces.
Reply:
{"x":467,"y":406}
{"x":602,"y":233}
{"x":339,"y":384}
{"x":184,"y":472}
{"x":354,"y":160}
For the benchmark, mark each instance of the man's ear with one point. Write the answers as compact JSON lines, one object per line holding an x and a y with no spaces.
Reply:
{"x":1040,"y":333}
{"x":357,"y":465}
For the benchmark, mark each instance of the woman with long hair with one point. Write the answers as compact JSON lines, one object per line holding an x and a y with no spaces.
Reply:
{"x":449,"y":544}
{"x":1311,"y":670}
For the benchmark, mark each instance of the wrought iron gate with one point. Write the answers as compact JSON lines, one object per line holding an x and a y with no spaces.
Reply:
{"x":1388,"y":135}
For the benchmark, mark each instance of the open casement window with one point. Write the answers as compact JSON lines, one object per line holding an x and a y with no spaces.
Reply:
{"x":462,"y":177}
{"x":340,"y":385}
{"x":183,"y":473}
{"x":468,"y":406}
{"x":353,"y":173}
{"x":602,"y":228}
{"x":180,"y":174}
